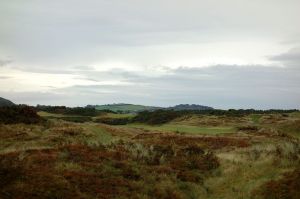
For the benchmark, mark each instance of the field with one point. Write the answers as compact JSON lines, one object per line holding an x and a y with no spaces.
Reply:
{"x":190,"y":157}
{"x":182,"y":129}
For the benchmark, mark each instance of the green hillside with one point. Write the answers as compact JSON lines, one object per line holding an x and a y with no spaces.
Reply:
{"x":5,"y":102}
{"x":125,"y":107}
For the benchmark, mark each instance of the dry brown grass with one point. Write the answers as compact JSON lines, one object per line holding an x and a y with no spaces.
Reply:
{"x":67,"y":160}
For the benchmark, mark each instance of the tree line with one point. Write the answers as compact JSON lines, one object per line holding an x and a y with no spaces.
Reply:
{"x":163,"y":116}
{"x":82,"y":111}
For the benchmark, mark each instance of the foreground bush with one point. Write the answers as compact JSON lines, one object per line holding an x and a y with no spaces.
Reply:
{"x":157,"y":117}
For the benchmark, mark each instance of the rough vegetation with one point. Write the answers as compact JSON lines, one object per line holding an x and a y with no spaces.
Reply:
{"x":287,"y":187}
{"x":258,"y":157}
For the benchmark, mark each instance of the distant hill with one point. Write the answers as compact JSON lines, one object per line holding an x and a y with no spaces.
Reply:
{"x":128,"y":108}
{"x":133,"y":108}
{"x":5,"y":102}
{"x":197,"y":107}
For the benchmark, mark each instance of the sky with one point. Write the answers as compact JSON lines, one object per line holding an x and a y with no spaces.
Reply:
{"x":224,"y":54}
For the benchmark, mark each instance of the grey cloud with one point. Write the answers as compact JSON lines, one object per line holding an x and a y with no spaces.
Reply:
{"x":4,"y":62}
{"x":4,"y":77}
{"x":290,"y":58}
{"x":84,"y":68}
{"x":87,"y":78}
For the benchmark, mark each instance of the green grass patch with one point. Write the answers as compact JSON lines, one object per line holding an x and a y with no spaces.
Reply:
{"x":185,"y":129}
{"x":70,"y":118}
{"x":295,"y":114}
{"x":46,"y":114}
{"x":99,"y":135}
{"x":114,"y":115}
{"x":78,"y":119}
{"x":255,"y":118}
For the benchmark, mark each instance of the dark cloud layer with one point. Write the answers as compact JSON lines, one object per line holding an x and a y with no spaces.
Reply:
{"x":290,"y":58}
{"x":4,"y":62}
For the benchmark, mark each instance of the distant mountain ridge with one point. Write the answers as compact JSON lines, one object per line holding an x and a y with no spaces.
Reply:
{"x":5,"y":102}
{"x":194,"y":107}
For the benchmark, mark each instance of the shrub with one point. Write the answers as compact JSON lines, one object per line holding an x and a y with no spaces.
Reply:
{"x":204,"y":163}
{"x":189,"y":176}
{"x":247,"y":128}
{"x":77,"y":119}
{"x":19,"y":114}
{"x":156,"y":117}
{"x":193,"y":150}
{"x":113,"y":121}
{"x":9,"y":174}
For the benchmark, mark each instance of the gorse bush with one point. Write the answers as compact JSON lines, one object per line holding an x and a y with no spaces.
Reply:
{"x":19,"y":114}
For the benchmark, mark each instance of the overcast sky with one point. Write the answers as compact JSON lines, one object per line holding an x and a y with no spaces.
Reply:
{"x":225,"y":54}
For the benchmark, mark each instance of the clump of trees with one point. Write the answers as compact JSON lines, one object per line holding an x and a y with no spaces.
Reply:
{"x":52,"y":109}
{"x":19,"y":114}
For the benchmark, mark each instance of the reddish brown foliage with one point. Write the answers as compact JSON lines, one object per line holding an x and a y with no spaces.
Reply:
{"x":167,"y":193}
{"x":213,"y":142}
{"x":103,"y":172}
{"x":109,"y":187}
{"x":285,"y":188}
{"x":82,"y":153}
{"x":204,"y":163}
{"x":190,"y":176}
{"x":32,"y":176}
